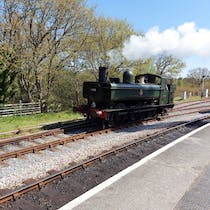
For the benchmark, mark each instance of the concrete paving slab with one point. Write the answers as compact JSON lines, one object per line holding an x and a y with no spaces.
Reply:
{"x":198,"y":195}
{"x":176,"y":178}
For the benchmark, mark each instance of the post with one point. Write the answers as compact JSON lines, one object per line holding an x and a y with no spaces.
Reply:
{"x":206,"y":93}
{"x":202,"y":87}
{"x":20,"y":107}
{"x":40,"y":106}
{"x":184,"y":95}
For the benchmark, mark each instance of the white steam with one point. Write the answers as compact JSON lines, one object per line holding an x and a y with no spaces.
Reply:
{"x":184,"y":41}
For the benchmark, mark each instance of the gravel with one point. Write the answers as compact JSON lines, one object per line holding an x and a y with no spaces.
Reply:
{"x":62,"y":135}
{"x":25,"y":144}
{"x":33,"y":166}
{"x":39,"y":140}
{"x":10,"y":148}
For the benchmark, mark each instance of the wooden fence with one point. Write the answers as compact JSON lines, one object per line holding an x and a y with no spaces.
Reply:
{"x":19,"y":109}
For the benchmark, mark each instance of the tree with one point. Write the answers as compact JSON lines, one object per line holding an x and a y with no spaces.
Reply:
{"x":105,"y":40}
{"x":50,"y":34}
{"x":10,"y":53}
{"x":146,"y":66}
{"x":67,"y":80}
{"x":168,"y":65}
{"x":199,"y":75}
{"x":8,"y":73}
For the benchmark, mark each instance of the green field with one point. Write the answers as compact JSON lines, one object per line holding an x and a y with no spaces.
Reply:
{"x":22,"y":122}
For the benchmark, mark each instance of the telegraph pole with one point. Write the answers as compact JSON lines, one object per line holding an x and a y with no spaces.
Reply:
{"x":202,"y":86}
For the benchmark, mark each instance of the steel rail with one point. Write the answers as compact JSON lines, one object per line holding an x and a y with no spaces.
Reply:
{"x":190,"y":103}
{"x":30,"y":137}
{"x":190,"y":107}
{"x":192,"y":112}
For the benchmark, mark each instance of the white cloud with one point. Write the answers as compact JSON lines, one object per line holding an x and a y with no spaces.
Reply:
{"x":184,"y":41}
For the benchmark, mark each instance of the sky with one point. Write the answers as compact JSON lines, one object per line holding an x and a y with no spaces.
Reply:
{"x":179,"y":27}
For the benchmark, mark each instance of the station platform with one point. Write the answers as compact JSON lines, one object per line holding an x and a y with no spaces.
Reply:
{"x":176,"y":176}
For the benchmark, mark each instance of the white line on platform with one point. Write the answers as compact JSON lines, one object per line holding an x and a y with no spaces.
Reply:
{"x":77,"y":201}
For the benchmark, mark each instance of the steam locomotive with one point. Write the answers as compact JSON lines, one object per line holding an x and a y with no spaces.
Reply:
{"x":113,"y":101}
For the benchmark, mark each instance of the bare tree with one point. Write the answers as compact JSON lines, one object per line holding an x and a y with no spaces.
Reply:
{"x":168,"y":65}
{"x":199,"y":75}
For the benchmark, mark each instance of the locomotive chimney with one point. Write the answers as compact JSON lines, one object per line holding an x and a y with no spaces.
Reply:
{"x":102,"y":74}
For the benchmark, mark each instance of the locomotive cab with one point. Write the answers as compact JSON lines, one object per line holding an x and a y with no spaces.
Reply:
{"x":148,"y":78}
{"x":167,"y":88}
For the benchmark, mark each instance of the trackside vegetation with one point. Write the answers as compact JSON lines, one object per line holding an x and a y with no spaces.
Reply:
{"x":29,"y":121}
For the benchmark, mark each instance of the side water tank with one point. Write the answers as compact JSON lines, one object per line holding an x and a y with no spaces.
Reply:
{"x":127,"y":77}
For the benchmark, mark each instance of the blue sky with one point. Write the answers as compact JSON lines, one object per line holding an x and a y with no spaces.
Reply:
{"x":145,"y":14}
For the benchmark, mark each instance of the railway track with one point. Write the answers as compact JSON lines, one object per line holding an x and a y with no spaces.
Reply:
{"x":69,"y":126}
{"x":194,"y":110}
{"x":51,"y":144}
{"x":31,"y":137}
{"x":160,"y":138}
{"x":56,"y":134}
{"x":201,"y":106}
{"x":66,"y":127}
{"x":189,"y":104}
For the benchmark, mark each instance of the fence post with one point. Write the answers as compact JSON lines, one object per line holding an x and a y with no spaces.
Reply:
{"x":40,"y":108}
{"x":20,"y":107}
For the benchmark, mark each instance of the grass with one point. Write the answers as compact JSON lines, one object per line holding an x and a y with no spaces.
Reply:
{"x":12,"y":123}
